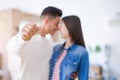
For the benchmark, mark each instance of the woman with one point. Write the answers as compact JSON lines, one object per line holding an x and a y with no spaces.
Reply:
{"x":71,"y":56}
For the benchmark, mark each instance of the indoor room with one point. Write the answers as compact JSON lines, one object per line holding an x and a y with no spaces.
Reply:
{"x":100,"y":23}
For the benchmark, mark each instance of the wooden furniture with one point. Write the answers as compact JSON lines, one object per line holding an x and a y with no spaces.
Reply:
{"x":95,"y":72}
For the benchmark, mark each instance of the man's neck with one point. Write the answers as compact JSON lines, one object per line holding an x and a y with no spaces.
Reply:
{"x":42,"y":31}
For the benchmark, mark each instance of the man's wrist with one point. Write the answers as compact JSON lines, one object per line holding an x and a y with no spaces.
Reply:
{"x":25,"y":39}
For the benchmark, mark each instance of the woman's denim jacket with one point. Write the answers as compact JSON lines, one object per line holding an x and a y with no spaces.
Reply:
{"x":76,"y":59}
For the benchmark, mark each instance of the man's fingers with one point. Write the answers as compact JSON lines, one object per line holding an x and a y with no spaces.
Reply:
{"x":25,"y":29}
{"x":29,"y":30}
{"x":27,"y":33}
{"x":32,"y":27}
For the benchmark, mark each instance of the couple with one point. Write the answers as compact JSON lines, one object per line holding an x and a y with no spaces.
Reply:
{"x":40,"y":60}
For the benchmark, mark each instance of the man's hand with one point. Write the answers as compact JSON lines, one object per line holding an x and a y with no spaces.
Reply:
{"x":74,"y":75}
{"x":28,"y":31}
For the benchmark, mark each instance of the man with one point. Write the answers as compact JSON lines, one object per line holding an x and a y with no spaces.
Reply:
{"x":33,"y":47}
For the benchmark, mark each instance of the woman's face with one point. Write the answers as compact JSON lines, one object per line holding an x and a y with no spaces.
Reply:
{"x":63,"y":30}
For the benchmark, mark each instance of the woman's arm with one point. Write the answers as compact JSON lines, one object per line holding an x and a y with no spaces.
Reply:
{"x":84,"y":67}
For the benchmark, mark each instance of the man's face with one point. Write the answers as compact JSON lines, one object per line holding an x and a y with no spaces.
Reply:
{"x":53,"y":25}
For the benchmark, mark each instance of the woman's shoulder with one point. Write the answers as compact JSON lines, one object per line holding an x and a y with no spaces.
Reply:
{"x":81,"y":49}
{"x":58,"y":46}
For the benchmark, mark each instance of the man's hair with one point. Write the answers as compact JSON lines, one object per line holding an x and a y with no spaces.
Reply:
{"x":51,"y":12}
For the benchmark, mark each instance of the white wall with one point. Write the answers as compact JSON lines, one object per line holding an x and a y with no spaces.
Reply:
{"x":114,"y":40}
{"x":98,"y":32}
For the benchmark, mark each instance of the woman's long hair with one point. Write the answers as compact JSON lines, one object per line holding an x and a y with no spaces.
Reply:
{"x":73,"y":25}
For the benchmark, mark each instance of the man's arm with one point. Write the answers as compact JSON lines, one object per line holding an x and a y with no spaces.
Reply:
{"x":16,"y":43}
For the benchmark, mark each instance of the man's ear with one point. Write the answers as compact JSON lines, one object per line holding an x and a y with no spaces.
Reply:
{"x":46,"y":20}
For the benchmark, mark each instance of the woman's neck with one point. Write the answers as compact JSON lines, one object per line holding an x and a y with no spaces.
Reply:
{"x":68,"y":43}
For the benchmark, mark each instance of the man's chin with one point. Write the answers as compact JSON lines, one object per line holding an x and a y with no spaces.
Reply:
{"x":52,"y":33}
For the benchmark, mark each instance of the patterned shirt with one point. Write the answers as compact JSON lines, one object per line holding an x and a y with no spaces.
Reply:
{"x":57,"y":65}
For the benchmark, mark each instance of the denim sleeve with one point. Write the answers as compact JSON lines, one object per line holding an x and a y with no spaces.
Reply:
{"x":84,"y":67}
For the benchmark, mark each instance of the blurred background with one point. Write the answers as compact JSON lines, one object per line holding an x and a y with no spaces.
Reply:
{"x":100,"y":23}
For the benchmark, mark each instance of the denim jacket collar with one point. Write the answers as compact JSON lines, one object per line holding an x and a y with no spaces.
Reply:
{"x":70,"y":48}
